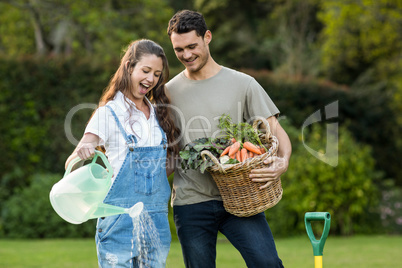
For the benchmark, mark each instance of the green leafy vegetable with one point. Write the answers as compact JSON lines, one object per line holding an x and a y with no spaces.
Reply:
{"x":242,"y":132}
{"x":191,"y":154}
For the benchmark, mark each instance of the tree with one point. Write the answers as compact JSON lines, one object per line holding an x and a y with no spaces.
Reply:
{"x":235,"y":28}
{"x":361,"y":46}
{"x":360,"y":36}
{"x":16,"y":35}
{"x":268,"y":34}
{"x":289,"y":37}
{"x":82,"y":28}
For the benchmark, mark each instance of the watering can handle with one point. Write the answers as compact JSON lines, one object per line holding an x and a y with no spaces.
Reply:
{"x":97,"y":153}
{"x":318,"y":245}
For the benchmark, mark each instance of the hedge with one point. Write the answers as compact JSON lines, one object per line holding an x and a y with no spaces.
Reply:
{"x":36,"y":95}
{"x":369,"y":111}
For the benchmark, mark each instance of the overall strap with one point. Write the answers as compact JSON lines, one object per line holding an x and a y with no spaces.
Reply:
{"x":129,"y":139}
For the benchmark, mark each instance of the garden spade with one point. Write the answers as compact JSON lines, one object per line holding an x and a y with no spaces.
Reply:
{"x":318,"y":245}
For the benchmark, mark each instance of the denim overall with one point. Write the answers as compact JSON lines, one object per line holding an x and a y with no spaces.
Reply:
{"x":142,"y":177}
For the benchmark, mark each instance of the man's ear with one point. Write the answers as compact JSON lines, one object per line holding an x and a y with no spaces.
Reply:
{"x":207,"y":37}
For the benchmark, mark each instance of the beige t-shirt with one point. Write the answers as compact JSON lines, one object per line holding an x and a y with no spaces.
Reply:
{"x":197,"y":106}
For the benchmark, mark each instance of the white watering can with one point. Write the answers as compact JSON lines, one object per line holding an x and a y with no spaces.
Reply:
{"x":79,"y":195}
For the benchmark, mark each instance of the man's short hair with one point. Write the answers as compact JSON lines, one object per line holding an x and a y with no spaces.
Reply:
{"x":186,"y":21}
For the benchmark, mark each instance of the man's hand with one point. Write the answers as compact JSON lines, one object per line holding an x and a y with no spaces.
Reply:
{"x":276,"y":166}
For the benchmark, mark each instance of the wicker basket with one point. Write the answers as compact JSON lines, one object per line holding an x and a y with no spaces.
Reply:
{"x":241,"y":196}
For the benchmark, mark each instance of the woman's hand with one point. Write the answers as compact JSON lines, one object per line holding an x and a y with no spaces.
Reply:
{"x":85,"y":148}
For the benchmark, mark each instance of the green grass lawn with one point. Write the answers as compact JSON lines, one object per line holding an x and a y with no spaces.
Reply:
{"x":357,"y":251}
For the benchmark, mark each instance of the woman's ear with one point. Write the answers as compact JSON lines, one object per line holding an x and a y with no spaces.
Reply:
{"x":127,"y":64}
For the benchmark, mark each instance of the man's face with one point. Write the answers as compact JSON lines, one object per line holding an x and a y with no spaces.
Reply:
{"x":191,"y":49}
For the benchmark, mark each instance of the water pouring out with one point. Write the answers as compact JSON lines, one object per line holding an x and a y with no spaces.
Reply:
{"x":135,"y":210}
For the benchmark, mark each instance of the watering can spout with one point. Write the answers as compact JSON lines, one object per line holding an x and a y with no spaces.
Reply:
{"x":79,"y":196}
{"x":104,"y":210}
{"x":135,"y":210}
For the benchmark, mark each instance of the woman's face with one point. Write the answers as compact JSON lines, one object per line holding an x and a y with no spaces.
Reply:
{"x":145,"y":75}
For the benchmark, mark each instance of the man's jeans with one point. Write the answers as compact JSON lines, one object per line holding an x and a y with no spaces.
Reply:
{"x":197,"y":228}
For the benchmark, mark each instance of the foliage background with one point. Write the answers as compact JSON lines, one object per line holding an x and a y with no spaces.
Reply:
{"x":55,"y":55}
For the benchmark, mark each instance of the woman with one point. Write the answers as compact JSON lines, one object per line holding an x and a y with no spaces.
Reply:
{"x":135,"y":135}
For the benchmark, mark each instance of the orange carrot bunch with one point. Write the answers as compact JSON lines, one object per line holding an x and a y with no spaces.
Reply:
{"x":244,"y":140}
{"x":244,"y":151}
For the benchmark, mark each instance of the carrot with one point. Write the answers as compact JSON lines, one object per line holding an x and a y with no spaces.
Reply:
{"x":234,"y":148}
{"x":238,"y":156}
{"x":225,"y":151}
{"x":233,"y":140}
{"x":262,"y":150}
{"x":244,"y":154}
{"x":250,"y":154}
{"x":251,"y":147}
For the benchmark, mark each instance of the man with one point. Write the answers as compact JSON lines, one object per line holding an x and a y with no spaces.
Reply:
{"x":201,"y":94}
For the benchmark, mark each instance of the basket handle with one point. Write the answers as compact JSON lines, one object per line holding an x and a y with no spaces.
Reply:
{"x":259,"y":120}
{"x":213,"y":158}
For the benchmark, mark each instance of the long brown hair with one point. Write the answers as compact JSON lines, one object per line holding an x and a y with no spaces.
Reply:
{"x":121,"y":81}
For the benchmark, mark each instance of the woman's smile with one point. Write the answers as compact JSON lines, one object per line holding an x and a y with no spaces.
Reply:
{"x":144,"y":88}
